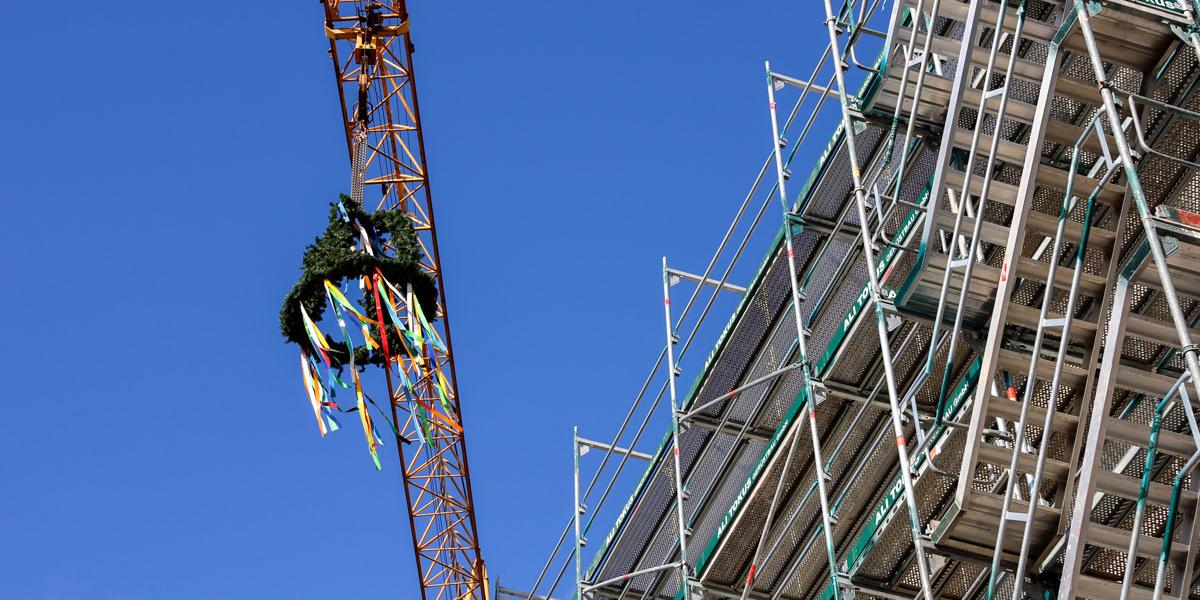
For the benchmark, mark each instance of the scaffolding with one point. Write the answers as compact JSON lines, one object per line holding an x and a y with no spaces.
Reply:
{"x":982,"y":305}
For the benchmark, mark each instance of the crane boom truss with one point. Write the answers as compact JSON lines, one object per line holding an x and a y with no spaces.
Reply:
{"x":371,"y":52}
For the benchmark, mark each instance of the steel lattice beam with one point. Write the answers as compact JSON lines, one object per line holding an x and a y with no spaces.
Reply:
{"x":371,"y":51}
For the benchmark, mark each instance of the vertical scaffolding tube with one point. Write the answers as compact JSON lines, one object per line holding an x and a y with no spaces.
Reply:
{"x":675,"y":451}
{"x":805,"y":368}
{"x":898,"y":174}
{"x":577,"y":510}
{"x":860,"y":198}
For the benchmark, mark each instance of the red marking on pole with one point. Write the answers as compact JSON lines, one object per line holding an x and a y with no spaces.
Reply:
{"x":675,"y":451}
{"x":812,"y":414}
{"x":750,"y":576}
{"x":625,"y":577}
{"x":1185,"y":217}
{"x":901,"y":442}
{"x":789,"y":252}
{"x":667,"y":301}
{"x":1004,"y":272}
{"x":887,"y":272}
{"x":1011,"y":392}
{"x":772,"y":106}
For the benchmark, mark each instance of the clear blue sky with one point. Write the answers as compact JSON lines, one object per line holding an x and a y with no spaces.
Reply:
{"x":163,"y":166}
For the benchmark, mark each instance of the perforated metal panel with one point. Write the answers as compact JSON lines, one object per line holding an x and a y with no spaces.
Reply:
{"x":830,"y":194}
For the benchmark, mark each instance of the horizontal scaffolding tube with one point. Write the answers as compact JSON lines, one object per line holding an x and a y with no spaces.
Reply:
{"x":613,"y":449}
{"x":729,"y":287}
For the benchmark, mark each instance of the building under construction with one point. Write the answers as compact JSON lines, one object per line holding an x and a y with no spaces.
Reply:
{"x":966,"y":365}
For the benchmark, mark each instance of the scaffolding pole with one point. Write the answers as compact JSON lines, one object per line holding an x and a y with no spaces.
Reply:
{"x":672,"y":373}
{"x":875,"y":295}
{"x":805,"y":369}
{"x":577,"y":511}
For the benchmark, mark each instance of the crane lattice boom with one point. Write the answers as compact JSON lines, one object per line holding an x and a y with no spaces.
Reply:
{"x":372,"y":59}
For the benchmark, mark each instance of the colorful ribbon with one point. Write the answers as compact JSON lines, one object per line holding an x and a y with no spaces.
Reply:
{"x":429,"y":330}
{"x":365,"y":417}
{"x":336,"y":295}
{"x":314,"y":395}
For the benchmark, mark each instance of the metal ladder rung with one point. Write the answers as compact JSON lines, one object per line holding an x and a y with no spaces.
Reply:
{"x":1118,"y":539}
{"x":1028,"y":316}
{"x":998,"y":191}
{"x":1010,"y":152}
{"x":1032,"y":72}
{"x":995,"y":233}
{"x":1055,"y":470}
{"x":1183,"y":264}
{"x":1138,"y":435}
{"x":983,"y":508}
{"x":1015,"y":109}
{"x":1186,"y":285}
{"x":989,"y":15}
{"x":983,"y":276}
{"x":1036,"y":270}
{"x":1090,"y":586}
{"x":935,"y":95}
{"x":1072,"y":230}
{"x":992,"y":233}
{"x":945,"y":46}
{"x":1023,"y":69}
{"x":1111,"y":194}
{"x":1127,"y":487}
{"x":1067,"y":134}
{"x":1018,"y":364}
{"x":1155,"y":330}
{"x":1013,"y":152}
{"x":1020,"y":517}
{"x":1010,"y":410}
{"x":1132,"y":378}
{"x":1005,"y":193}
{"x":916,"y":61}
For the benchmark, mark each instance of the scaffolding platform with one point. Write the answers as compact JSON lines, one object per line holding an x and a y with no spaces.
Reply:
{"x":999,"y":237}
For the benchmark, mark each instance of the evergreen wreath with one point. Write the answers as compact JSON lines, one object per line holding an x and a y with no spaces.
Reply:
{"x":332,"y":256}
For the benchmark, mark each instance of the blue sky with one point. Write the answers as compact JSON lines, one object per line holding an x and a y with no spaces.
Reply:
{"x":163,"y":167}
